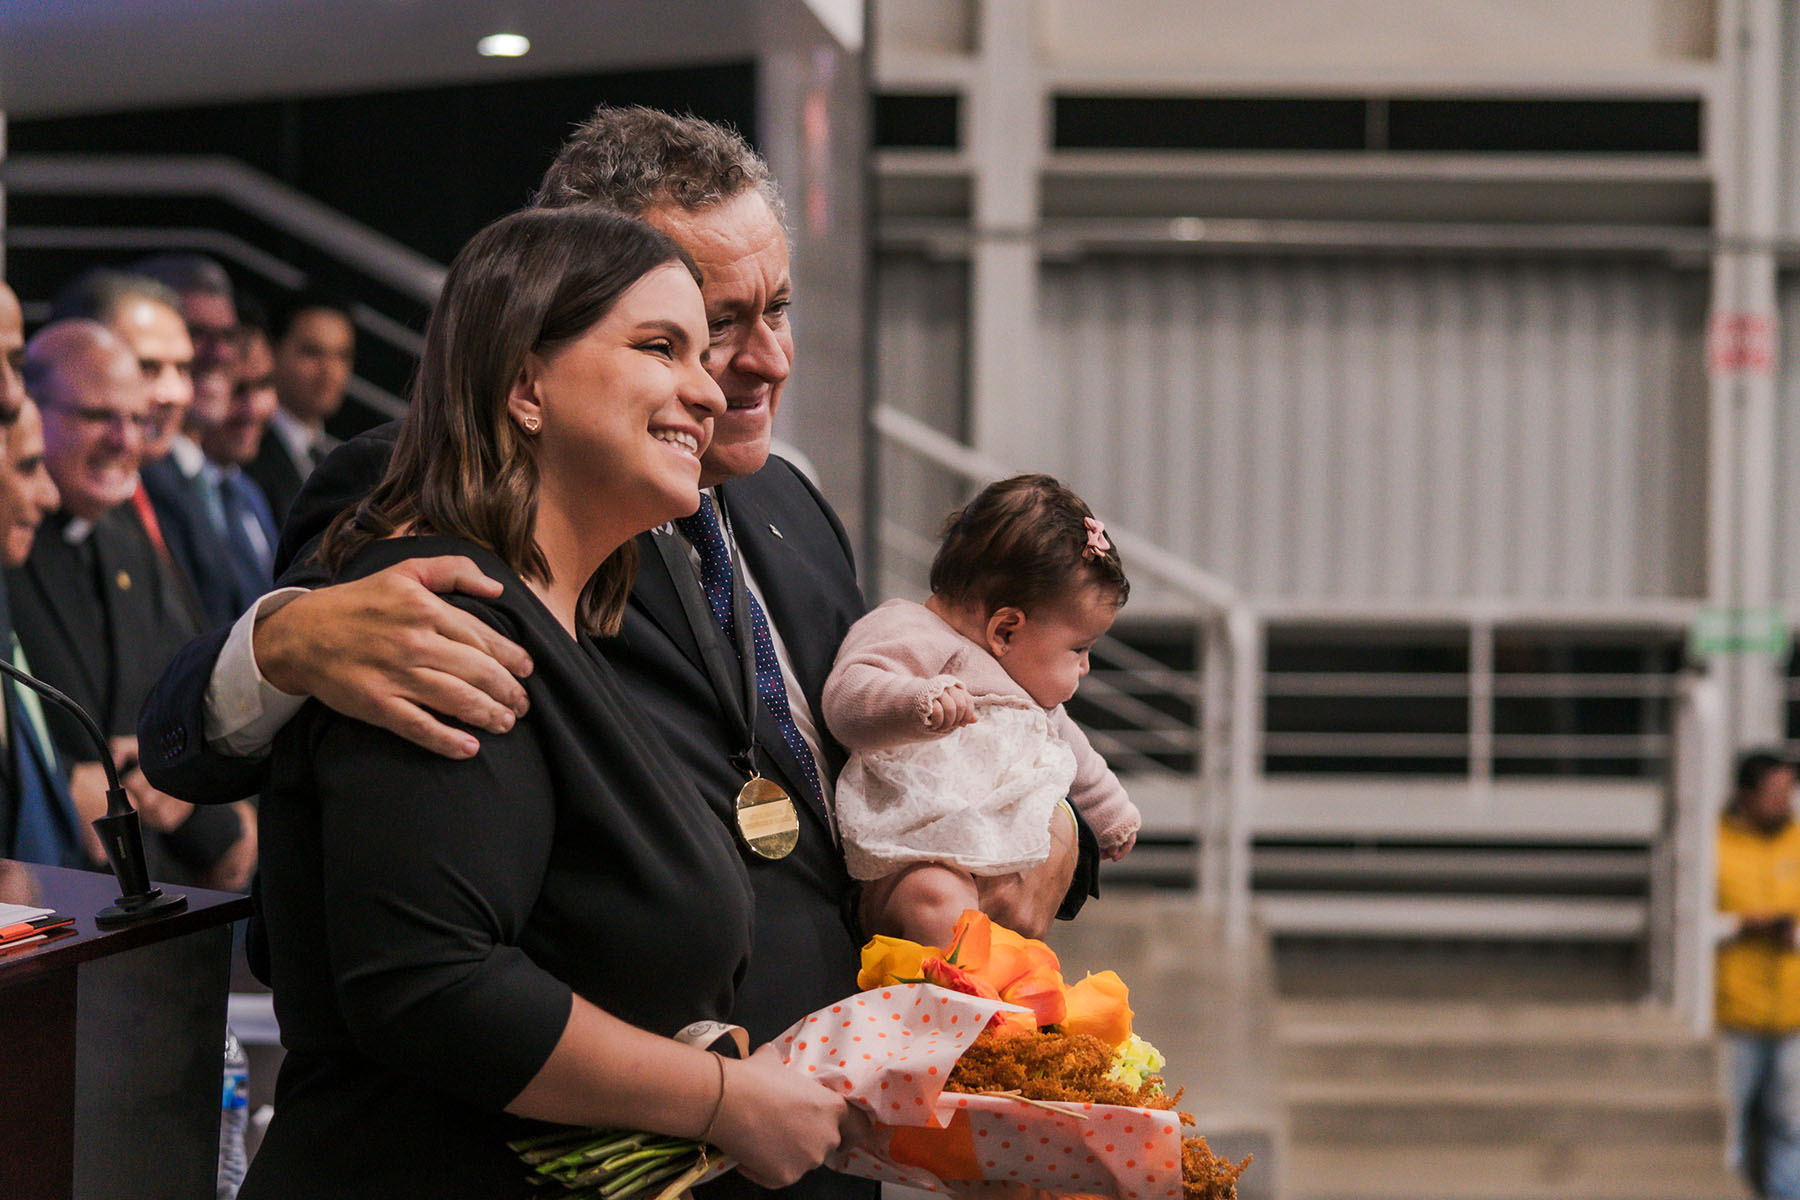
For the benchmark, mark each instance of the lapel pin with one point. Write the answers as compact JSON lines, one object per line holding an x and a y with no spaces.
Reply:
{"x":124,"y":581}
{"x":775,"y":531}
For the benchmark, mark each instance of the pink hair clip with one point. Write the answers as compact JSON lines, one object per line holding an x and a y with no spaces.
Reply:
{"x":1096,"y":543}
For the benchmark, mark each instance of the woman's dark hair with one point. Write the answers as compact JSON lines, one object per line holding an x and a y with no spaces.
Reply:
{"x":1023,"y":542}
{"x":531,"y":282}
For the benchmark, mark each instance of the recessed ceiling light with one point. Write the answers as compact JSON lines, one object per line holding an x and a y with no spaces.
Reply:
{"x":503,"y":45}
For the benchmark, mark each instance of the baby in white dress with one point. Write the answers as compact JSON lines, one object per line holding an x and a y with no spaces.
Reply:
{"x":961,"y":752}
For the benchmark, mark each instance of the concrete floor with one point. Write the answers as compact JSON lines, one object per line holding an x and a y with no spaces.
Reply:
{"x":1206,"y":1004}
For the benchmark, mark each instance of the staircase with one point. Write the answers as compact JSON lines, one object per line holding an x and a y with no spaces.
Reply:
{"x":1482,"y":1100}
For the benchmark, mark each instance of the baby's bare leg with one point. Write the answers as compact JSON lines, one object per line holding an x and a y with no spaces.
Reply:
{"x":919,"y":903}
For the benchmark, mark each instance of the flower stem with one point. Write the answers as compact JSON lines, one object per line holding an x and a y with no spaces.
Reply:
{"x":682,"y":1182}
{"x":648,"y":1176}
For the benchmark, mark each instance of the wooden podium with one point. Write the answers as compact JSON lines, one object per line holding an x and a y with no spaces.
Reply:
{"x":112,"y":1044}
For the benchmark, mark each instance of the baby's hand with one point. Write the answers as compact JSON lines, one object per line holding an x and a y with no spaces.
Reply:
{"x":951,"y":710}
{"x":1115,"y":853}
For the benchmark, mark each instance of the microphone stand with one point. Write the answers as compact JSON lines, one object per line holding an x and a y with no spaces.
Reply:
{"x":119,"y":832}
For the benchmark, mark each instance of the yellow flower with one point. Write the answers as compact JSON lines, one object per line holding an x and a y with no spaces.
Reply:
{"x":1137,"y":1060}
{"x":1100,"y":1005}
{"x":893,"y":960}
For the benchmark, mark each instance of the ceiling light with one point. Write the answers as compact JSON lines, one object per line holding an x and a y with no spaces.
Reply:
{"x":503,"y":45}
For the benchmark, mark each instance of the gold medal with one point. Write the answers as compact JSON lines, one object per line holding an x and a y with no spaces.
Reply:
{"x":767,"y":819}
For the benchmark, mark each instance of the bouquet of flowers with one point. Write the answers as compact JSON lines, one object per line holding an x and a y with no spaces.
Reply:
{"x":978,"y":1065}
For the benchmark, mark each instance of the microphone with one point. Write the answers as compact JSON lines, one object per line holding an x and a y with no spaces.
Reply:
{"x":119,"y":832}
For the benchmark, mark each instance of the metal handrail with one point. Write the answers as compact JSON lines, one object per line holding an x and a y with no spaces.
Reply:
{"x":374,"y":254}
{"x":237,"y":251}
{"x":1213,"y":593}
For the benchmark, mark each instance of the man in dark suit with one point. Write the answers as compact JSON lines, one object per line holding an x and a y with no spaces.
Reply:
{"x":93,"y":606}
{"x":216,"y":521}
{"x":386,"y":650}
{"x":315,"y":350}
{"x":146,"y":315}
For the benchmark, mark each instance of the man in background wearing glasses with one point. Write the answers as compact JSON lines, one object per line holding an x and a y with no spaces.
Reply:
{"x":94,"y":608}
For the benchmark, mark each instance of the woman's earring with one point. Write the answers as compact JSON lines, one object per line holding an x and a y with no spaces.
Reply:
{"x":531,"y":425}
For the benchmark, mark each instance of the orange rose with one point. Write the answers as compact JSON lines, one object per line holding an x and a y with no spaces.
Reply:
{"x":1099,"y":1005}
{"x":1022,"y":970}
{"x":969,"y":940}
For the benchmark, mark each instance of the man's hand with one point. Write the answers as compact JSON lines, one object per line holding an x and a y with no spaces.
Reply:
{"x":87,"y":788}
{"x":156,"y":810}
{"x":233,"y":869}
{"x":1768,"y":927}
{"x":388,"y":650}
{"x":1026,"y":902}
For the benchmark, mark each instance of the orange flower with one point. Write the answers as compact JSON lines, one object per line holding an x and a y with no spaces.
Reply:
{"x":1022,"y":970}
{"x":1099,"y":1005}
{"x":949,"y":975}
{"x":893,"y":960}
{"x":969,"y":940}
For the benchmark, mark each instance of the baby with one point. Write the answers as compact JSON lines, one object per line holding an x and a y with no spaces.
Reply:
{"x":953,"y":710}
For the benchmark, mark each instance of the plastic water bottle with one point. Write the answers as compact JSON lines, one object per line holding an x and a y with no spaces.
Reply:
{"x":234,"y":1116}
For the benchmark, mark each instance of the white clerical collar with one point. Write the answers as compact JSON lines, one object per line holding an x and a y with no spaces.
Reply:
{"x":297,"y":437}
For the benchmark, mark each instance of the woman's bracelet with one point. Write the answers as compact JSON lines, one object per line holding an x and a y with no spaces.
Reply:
{"x":719,"y":1104}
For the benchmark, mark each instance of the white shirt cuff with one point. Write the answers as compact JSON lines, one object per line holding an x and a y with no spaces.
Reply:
{"x":244,"y":711}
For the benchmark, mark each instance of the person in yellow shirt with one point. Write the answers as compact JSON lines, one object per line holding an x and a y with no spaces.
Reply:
{"x":1757,"y":974}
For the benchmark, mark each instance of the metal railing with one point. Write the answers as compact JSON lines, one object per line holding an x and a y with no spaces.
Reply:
{"x":1469,"y":735}
{"x":274,"y":203}
{"x":1221,"y":736}
{"x":367,"y":252}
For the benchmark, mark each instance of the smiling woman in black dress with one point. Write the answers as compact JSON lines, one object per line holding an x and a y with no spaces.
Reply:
{"x":461,"y":947}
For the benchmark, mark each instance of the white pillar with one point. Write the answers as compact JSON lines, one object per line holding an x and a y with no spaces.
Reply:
{"x":1005,"y":131}
{"x":1741,"y":389}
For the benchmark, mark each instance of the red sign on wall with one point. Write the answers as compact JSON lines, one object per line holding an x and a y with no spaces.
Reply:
{"x":1741,"y":343}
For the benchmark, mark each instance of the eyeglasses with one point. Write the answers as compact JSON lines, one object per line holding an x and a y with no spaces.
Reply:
{"x":146,"y":424}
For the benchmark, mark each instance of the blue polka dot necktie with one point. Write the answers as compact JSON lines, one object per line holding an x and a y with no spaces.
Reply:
{"x":703,"y":531}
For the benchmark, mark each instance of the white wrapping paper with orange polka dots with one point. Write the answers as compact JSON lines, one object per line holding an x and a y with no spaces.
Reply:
{"x":889,"y":1050}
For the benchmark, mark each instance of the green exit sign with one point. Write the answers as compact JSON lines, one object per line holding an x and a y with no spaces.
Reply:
{"x":1719,"y":631}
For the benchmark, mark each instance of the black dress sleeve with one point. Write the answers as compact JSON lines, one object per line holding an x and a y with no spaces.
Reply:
{"x":429,"y":869}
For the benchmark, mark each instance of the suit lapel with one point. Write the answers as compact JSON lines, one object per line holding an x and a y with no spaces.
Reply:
{"x":56,"y":572}
{"x":653,"y":595}
{"x":125,"y":594}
